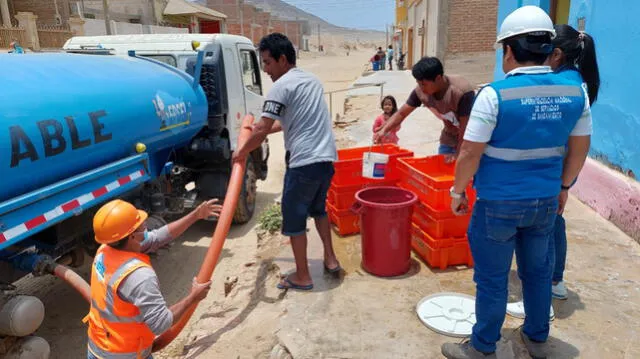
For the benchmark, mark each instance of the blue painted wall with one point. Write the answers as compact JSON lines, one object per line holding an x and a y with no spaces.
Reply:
{"x":616,"y":114}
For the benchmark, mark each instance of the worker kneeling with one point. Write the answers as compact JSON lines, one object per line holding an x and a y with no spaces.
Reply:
{"x":127,"y":309}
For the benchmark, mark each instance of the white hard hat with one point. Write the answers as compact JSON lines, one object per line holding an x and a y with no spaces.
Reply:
{"x":525,"y":20}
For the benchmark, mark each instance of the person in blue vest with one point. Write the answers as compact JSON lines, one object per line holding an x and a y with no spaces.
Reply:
{"x":15,"y":48}
{"x":574,"y":56}
{"x":527,"y":139}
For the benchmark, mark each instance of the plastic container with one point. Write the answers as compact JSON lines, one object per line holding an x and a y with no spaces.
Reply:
{"x":439,"y":199}
{"x":458,"y":253}
{"x":432,"y":171}
{"x":343,"y":197}
{"x":374,"y":165}
{"x":348,"y":168}
{"x":455,"y":226}
{"x":385,"y":217}
{"x":345,"y":221}
{"x":443,"y":242}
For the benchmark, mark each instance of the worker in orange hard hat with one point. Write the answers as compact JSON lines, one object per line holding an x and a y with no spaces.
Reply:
{"x":127,"y":309}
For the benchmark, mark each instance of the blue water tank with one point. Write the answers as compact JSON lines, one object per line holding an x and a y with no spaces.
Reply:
{"x":64,"y":114}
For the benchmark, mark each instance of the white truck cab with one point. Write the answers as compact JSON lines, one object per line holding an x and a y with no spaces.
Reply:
{"x":232,"y":82}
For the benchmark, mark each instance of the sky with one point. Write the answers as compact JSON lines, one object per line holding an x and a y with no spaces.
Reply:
{"x":360,"y":14}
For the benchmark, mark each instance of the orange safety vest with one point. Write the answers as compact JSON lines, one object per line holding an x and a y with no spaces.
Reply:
{"x":116,"y":328}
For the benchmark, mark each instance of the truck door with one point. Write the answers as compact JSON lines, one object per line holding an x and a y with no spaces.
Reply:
{"x":251,"y":79}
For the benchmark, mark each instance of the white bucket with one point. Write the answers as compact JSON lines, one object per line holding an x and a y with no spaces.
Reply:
{"x":374,"y":165}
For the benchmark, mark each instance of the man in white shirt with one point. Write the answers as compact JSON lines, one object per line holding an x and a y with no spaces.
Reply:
{"x":514,"y":149}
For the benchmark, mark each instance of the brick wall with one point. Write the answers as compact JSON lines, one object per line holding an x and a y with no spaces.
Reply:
{"x":251,"y":15}
{"x":472,"y":25}
{"x":263,"y":18}
{"x":294,"y":30}
{"x":277,"y":26}
{"x":44,"y":9}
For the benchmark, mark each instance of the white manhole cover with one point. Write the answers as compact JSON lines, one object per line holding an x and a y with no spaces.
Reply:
{"x":451,"y":314}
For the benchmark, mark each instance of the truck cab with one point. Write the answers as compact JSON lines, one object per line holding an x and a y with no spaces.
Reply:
{"x":232,"y":81}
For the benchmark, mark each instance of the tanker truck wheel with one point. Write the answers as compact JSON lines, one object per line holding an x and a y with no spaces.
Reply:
{"x":247,"y":200}
{"x":30,"y":347}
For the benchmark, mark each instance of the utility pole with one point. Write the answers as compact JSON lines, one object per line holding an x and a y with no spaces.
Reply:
{"x":154,"y":19}
{"x":241,"y":12}
{"x":386,"y":28}
{"x":300,"y":38}
{"x":107,"y":25}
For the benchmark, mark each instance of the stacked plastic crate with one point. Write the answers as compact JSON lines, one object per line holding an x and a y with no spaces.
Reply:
{"x":348,"y":180}
{"x":439,"y":236}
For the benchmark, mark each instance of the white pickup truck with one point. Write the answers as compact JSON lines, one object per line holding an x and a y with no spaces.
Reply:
{"x":230,"y":78}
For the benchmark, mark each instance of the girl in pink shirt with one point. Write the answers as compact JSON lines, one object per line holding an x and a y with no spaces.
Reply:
{"x":389,"y":106}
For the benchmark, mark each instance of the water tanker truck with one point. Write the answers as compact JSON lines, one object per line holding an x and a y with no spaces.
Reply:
{"x":79,"y":129}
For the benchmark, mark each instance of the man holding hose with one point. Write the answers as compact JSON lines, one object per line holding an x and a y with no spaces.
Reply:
{"x":127,"y":309}
{"x":296,"y":106}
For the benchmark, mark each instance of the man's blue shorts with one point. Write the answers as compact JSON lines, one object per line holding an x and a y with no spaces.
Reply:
{"x":304,"y":195}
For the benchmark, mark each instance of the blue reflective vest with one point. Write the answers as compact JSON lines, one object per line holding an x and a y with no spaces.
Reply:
{"x":524,"y":157}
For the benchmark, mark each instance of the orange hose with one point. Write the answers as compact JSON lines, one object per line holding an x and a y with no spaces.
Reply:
{"x":219,"y":236}
{"x":73,"y":279}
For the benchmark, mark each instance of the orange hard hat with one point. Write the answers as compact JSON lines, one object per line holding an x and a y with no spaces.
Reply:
{"x":116,"y":220}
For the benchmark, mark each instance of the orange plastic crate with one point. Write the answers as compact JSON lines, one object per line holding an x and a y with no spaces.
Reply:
{"x":416,"y":231}
{"x":349,"y":165}
{"x":343,"y":197}
{"x":457,"y":254}
{"x":345,"y":222}
{"x":455,"y":226}
{"x":432,"y":212}
{"x":439,"y":199}
{"x":431,"y":171}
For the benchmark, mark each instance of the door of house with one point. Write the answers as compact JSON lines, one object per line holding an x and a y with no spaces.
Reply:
{"x":209,"y":27}
{"x":410,"y":41}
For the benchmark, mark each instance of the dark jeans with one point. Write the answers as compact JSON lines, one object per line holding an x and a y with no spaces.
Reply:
{"x":560,"y":250}
{"x":497,"y":229}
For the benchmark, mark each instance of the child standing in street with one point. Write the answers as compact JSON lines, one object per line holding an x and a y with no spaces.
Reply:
{"x":389,"y":107}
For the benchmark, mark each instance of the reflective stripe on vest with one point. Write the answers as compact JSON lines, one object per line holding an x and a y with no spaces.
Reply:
{"x":535,"y":117}
{"x":540,"y":91}
{"x":511,"y":154}
{"x":101,"y":354}
{"x":117,"y":275}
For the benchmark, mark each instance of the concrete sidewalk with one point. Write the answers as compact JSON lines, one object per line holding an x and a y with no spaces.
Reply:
{"x":362,"y":316}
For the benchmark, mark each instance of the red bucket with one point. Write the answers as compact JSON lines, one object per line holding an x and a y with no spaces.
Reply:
{"x":385,"y":227}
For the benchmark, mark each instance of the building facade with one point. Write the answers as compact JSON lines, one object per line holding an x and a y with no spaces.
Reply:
{"x":446,"y":27}
{"x":400,"y":28}
{"x":58,"y":12}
